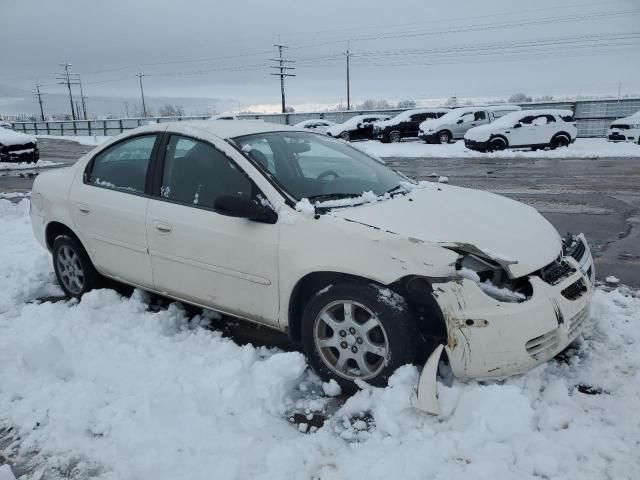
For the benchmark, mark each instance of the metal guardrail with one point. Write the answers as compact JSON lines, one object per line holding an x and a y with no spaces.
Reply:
{"x":593,"y":118}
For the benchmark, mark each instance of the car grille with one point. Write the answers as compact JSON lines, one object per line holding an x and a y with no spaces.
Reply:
{"x":575,"y":290}
{"x":617,"y":137}
{"x":620,"y":127}
{"x":536,"y":347}
{"x":556,"y":271}
{"x":578,"y":321}
{"x":576,"y":251}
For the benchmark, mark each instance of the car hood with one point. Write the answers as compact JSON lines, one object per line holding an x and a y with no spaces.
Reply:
{"x":431,"y":123}
{"x":633,"y":119}
{"x":482,"y":132}
{"x":337,"y":129}
{"x":509,"y":232}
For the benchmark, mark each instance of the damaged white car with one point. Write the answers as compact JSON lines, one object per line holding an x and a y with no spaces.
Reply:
{"x":366,"y":269}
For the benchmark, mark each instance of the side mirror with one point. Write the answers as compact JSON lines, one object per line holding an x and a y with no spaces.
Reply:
{"x":460,"y":121}
{"x":242,"y":207}
{"x":517,"y":125}
{"x":360,"y":125}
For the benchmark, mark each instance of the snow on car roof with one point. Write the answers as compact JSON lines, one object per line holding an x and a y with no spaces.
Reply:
{"x":233,"y":129}
{"x":313,"y":120}
{"x":515,"y":116}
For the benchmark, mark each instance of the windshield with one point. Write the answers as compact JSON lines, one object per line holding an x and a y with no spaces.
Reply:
{"x":307,"y":165}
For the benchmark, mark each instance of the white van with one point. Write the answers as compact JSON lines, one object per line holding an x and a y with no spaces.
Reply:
{"x":625,"y":129}
{"x":455,"y":124}
{"x":526,"y":129}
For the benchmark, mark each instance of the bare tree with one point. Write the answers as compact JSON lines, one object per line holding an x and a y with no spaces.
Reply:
{"x":289,"y":109}
{"x":407,"y":104}
{"x":168,"y":110}
{"x":519,"y":98}
{"x":371,"y":104}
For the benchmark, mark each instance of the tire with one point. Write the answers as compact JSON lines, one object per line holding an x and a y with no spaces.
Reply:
{"x":346,"y":136}
{"x":395,"y":136}
{"x":497,"y":144}
{"x":74,"y":270}
{"x":443,"y":137}
{"x":351,"y":350}
{"x":559,"y":141}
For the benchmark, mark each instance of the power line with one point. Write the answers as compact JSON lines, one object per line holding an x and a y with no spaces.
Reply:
{"x":281,"y":64}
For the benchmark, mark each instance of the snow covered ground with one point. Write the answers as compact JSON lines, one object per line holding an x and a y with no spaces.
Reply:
{"x":90,"y":140}
{"x":108,"y":388}
{"x":27,"y":165}
{"x":582,"y":148}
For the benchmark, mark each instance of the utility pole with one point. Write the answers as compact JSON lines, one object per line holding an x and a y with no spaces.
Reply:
{"x":281,"y":65}
{"x":82,"y":97}
{"x":144,"y":107}
{"x":65,"y":79}
{"x":39,"y":96}
{"x":348,"y":83}
{"x":126,"y":108}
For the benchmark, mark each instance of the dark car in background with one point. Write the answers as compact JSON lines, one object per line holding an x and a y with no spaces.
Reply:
{"x":359,"y":127}
{"x":405,"y":124}
{"x":17,"y":147}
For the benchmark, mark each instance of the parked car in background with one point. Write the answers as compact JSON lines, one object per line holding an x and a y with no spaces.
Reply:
{"x":6,"y":125}
{"x":454,"y":124}
{"x":361,"y":266}
{"x":405,"y":124}
{"x":18,"y":147}
{"x":223,"y":116}
{"x":528,"y":128}
{"x":318,"y":125}
{"x":359,"y":127}
{"x":625,"y":129}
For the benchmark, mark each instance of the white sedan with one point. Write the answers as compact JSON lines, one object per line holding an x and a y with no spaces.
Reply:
{"x":318,"y":125}
{"x":300,"y":232}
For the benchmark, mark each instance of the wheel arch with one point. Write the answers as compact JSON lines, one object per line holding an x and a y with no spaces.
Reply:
{"x":501,"y":136}
{"x":55,"y":229}
{"x":415,"y":289}
{"x":562,"y":133}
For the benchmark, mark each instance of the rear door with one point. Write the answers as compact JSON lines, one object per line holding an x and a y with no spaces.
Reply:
{"x":412,"y":127}
{"x":226,"y":263}
{"x":109,"y":206}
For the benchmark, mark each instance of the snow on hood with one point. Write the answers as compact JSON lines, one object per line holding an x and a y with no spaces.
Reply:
{"x":632,"y":119}
{"x":510,"y":232}
{"x":10,"y":137}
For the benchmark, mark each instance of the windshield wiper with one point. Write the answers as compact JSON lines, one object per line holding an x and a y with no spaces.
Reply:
{"x":397,"y":190}
{"x":331,"y":196}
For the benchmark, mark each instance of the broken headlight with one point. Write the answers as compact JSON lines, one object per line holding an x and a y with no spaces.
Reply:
{"x":492,"y":279}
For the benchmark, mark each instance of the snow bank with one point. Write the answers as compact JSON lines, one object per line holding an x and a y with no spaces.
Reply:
{"x":90,"y":140}
{"x":109,"y":389}
{"x":582,"y":148}
{"x":27,"y":165}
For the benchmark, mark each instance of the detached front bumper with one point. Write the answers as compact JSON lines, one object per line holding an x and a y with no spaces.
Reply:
{"x":30,"y":154}
{"x":492,"y":339}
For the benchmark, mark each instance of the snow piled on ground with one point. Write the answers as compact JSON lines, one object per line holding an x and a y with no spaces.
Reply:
{"x":27,"y":165}
{"x":107,"y":388}
{"x":582,"y":148}
{"x":90,"y":140}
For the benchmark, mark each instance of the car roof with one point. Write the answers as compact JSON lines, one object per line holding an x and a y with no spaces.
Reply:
{"x":226,"y":130}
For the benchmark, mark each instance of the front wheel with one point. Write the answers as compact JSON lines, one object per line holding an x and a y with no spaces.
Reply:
{"x":496,"y":144}
{"x":395,"y":136}
{"x":358,"y":331}
{"x":444,"y":137}
{"x":74,"y":270}
{"x":345,"y":136}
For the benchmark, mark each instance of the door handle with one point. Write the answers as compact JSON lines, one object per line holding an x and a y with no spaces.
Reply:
{"x":83,"y":209}
{"x":163,"y":228}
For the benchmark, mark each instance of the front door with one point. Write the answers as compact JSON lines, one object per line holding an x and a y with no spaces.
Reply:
{"x":198,"y":255}
{"x":109,"y":207}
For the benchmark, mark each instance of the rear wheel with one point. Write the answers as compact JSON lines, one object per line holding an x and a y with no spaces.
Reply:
{"x":395,"y":136}
{"x":559,"y":141}
{"x":358,"y":331}
{"x":74,"y":270}
{"x":443,"y":137}
{"x":345,"y":136}
{"x":497,"y":144}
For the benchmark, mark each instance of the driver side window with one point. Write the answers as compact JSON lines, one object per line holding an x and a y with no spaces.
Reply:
{"x":195,"y":173}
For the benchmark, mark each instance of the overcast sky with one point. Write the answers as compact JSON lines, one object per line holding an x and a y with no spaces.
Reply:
{"x":414,"y":49}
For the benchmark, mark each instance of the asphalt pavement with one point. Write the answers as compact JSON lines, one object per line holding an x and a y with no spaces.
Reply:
{"x":599,"y":197}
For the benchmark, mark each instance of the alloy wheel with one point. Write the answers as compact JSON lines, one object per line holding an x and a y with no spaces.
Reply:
{"x":70,"y":269}
{"x":351,"y":340}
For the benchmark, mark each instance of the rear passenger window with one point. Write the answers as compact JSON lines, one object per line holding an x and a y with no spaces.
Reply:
{"x":419,"y":117}
{"x":481,"y":115}
{"x":195,"y":173}
{"x":568,"y":118}
{"x":124,"y":166}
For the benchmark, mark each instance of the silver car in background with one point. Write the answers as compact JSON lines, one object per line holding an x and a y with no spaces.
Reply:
{"x":455,"y":124}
